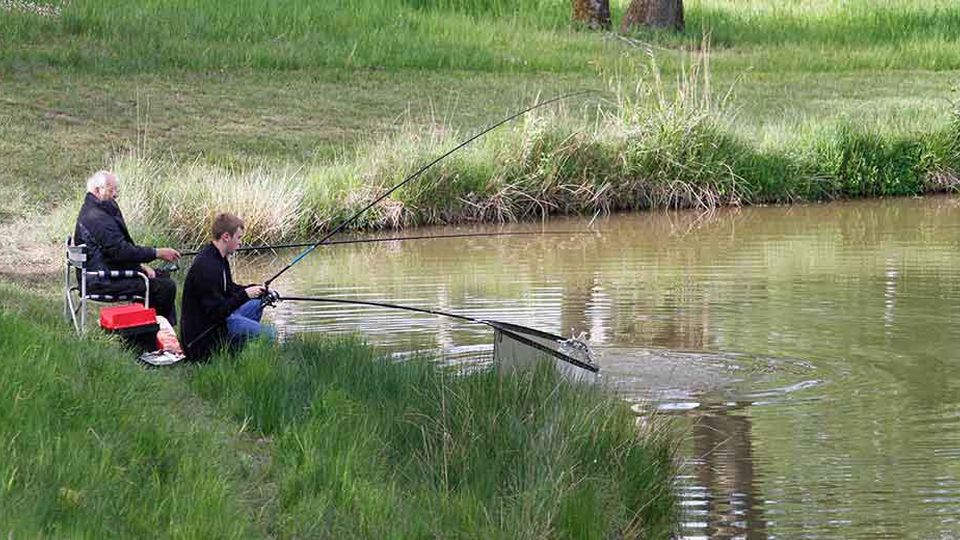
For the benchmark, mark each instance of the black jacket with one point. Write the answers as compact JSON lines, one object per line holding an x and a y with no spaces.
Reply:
{"x":101,"y":227}
{"x":209,"y":296}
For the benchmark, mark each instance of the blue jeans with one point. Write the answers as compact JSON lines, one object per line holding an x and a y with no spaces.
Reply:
{"x":244,"y":323}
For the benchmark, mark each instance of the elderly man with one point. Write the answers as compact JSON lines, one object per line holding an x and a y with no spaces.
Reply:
{"x":101,"y":227}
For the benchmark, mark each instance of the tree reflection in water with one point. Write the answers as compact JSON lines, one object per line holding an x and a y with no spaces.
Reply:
{"x":721,"y":497}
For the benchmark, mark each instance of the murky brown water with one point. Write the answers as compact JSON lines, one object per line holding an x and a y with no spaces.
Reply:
{"x":813,"y":352}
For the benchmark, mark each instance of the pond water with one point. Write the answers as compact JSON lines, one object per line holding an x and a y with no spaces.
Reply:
{"x":811,"y":354}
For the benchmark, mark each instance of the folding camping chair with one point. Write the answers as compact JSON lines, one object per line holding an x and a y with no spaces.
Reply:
{"x":77,"y":264}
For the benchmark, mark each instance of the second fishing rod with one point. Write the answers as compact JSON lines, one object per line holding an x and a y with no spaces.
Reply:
{"x":272,"y":247}
{"x":409,"y":179}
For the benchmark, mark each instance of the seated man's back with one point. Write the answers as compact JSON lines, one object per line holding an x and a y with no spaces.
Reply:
{"x":100,"y":225}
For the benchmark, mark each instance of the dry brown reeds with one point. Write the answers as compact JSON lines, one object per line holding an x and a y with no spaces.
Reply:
{"x":183,"y":200}
{"x":653,"y":145}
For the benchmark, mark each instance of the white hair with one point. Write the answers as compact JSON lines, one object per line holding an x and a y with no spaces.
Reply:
{"x":99,"y":180}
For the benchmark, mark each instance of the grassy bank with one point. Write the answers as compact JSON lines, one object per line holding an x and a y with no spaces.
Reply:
{"x":649,"y":147}
{"x":413,"y":452}
{"x":652,"y":145}
{"x":95,"y":446}
{"x":314,"y":438}
{"x":328,"y":103}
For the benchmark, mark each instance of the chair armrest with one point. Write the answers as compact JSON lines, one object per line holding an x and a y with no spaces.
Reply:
{"x":119,"y":274}
{"x":115,"y":274}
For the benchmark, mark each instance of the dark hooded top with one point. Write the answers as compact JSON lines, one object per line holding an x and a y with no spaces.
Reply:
{"x":101,"y":227}
{"x":209,"y":296}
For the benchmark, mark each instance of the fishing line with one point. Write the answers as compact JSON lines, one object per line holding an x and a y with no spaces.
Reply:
{"x":566,"y":346}
{"x":344,"y":223}
{"x":381,"y":305}
{"x":266,"y":247}
{"x":410,"y":178}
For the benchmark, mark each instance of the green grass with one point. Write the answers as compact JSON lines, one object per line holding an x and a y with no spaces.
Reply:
{"x":858,"y":22}
{"x":328,"y":102}
{"x":651,"y":147}
{"x":315,"y":438}
{"x":492,"y":35}
{"x":333,"y":101}
{"x":94,"y":445}
{"x":418,"y":452}
{"x":120,"y":37}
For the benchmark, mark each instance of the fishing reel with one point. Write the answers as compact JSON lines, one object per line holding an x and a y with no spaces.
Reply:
{"x":167,"y":267}
{"x":270,"y":297}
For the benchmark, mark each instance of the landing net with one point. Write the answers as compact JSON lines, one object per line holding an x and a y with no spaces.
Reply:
{"x":519,"y":346}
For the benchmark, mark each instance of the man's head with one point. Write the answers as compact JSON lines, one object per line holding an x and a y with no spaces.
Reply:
{"x":227,"y":231}
{"x":103,"y":186}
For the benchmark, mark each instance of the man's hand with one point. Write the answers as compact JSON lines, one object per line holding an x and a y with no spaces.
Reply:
{"x":254,"y":291}
{"x":150,"y":272}
{"x":168,"y":254}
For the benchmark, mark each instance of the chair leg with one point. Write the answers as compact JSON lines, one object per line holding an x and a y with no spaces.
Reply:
{"x":66,"y":290}
{"x":73,"y":312}
{"x":83,"y":305}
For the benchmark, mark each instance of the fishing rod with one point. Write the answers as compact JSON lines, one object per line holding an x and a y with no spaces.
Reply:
{"x":410,"y":178}
{"x":378,"y":304}
{"x":267,"y":297}
{"x":515,"y":331}
{"x":264,"y":247}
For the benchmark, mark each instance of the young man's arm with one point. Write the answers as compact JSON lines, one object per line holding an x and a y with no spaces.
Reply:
{"x":208,"y":281}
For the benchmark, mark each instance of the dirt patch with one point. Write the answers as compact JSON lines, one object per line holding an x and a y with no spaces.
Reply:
{"x":37,"y":8}
{"x":38,"y":283}
{"x":26,"y":252}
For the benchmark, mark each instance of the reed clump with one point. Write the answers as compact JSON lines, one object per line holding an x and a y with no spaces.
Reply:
{"x":422,"y":451}
{"x":182,"y":200}
{"x":653,"y":145}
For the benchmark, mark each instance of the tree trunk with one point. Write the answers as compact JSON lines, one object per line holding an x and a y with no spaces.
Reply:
{"x":594,"y":14}
{"x":653,"y":13}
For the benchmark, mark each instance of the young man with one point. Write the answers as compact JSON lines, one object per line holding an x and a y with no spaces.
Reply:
{"x":100,"y":225}
{"x":217,"y":311}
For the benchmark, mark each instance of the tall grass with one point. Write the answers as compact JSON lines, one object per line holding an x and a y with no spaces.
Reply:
{"x":530,"y":35}
{"x":293,"y":34}
{"x":93,"y":446}
{"x":311,"y":438}
{"x":657,"y":144}
{"x":654,"y":145}
{"x":856,"y":22}
{"x":423,"y":453}
{"x":183,"y":200}
{"x":539,"y":13}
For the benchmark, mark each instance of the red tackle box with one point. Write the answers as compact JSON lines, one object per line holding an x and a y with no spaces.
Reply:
{"x":135,"y":324}
{"x":126,"y":316}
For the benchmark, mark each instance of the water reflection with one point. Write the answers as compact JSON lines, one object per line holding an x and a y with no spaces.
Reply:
{"x":817,"y":345}
{"x":721,"y":496}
